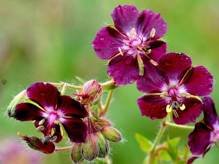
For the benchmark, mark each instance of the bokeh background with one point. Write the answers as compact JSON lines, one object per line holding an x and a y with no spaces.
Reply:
{"x":50,"y":40}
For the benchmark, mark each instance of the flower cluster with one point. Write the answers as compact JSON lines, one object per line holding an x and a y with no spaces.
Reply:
{"x":170,"y":83}
{"x":136,"y":53}
{"x":51,"y":111}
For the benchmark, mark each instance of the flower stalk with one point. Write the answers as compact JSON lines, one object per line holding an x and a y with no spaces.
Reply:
{"x":186,"y":127}
{"x":151,"y":154}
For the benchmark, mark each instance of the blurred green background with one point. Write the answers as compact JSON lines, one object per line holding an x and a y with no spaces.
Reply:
{"x":50,"y":40}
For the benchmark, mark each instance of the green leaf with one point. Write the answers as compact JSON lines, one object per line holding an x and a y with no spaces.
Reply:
{"x":173,"y":147}
{"x":164,"y":156}
{"x":144,"y":143}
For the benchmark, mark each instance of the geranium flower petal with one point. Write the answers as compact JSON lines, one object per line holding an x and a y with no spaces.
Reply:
{"x":107,"y":42}
{"x":44,"y":94}
{"x":152,"y":106}
{"x":125,"y":17}
{"x":148,"y":21}
{"x":175,"y":65}
{"x":44,"y":126}
{"x":71,"y":107}
{"x":152,"y":81}
{"x":192,"y":111}
{"x":158,"y":49}
{"x":76,"y":129}
{"x":123,"y":69}
{"x":26,"y":112}
{"x":199,"y":81}
{"x":210,"y":113}
{"x":199,"y":139}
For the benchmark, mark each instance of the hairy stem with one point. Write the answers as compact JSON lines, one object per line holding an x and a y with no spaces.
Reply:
{"x":107,"y":103}
{"x":108,"y":85}
{"x":67,"y":85}
{"x":66,"y":148}
{"x":151,"y":154}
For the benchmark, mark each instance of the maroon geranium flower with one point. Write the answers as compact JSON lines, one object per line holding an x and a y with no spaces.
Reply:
{"x":134,"y":38}
{"x":174,"y":86}
{"x":48,"y":108}
{"x":206,"y":133}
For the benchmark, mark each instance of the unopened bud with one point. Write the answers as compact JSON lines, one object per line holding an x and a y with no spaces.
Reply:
{"x":91,"y":92}
{"x":103,"y":146}
{"x":90,"y":148}
{"x":76,"y":152}
{"x":100,"y":123}
{"x":112,"y":134}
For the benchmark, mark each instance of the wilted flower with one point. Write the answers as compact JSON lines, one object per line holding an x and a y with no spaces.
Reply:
{"x":90,"y":92}
{"x":134,"y":39}
{"x":48,"y":108}
{"x":12,"y":151}
{"x":43,"y":145}
{"x":174,"y":87}
{"x":206,"y":133}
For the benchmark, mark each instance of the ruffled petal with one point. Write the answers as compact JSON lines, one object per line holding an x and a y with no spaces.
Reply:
{"x":76,"y":129}
{"x":199,"y":81}
{"x":44,"y":94}
{"x":148,"y":21}
{"x":26,"y":112}
{"x":71,"y":107}
{"x":158,"y":49}
{"x":107,"y":42}
{"x":199,"y":140}
{"x":193,"y":109}
{"x":175,"y":65}
{"x":125,"y":17}
{"x":210,"y":114}
{"x":123,"y":69}
{"x":152,"y":81}
{"x":35,"y":143}
{"x":152,"y":106}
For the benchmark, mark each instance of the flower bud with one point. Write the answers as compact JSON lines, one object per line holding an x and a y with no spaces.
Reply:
{"x":100,"y":123}
{"x":76,"y":153}
{"x":112,"y":134}
{"x":103,"y":146}
{"x":90,"y":147}
{"x":91,"y":92}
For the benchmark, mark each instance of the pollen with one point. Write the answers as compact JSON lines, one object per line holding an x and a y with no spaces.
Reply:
{"x":182,"y":107}
{"x":169,"y":108}
{"x":152,"y":33}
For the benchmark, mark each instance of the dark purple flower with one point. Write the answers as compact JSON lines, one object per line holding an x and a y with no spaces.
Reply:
{"x":206,"y":132}
{"x":49,"y":110}
{"x":134,"y":38}
{"x":174,"y":86}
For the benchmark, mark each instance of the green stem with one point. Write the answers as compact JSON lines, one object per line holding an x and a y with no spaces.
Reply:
{"x":108,"y":85}
{"x":170,"y":124}
{"x":66,"y":148}
{"x":107,"y":103}
{"x":68,"y":85}
{"x":150,"y":157}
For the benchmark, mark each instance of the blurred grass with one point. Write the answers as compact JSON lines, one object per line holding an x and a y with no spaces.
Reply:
{"x":51,"y":41}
